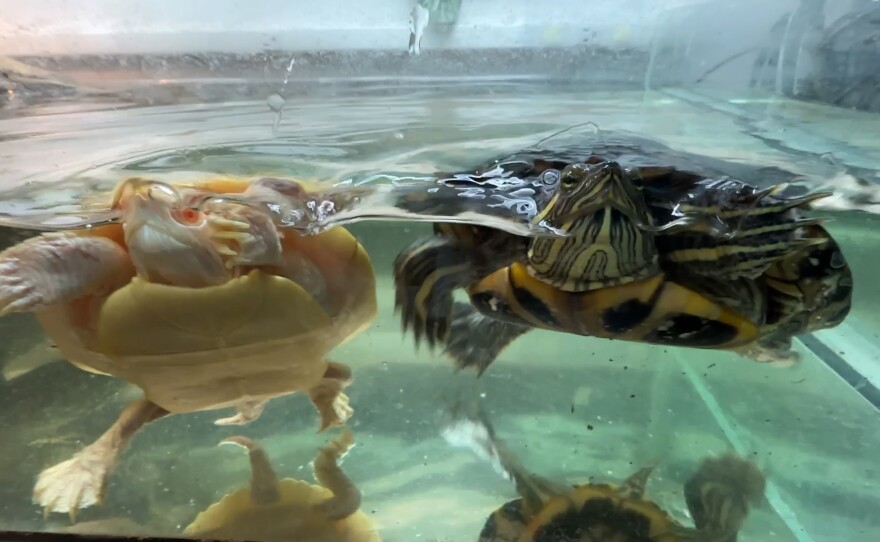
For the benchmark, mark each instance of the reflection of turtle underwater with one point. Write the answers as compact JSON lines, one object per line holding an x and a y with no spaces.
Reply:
{"x":718,"y":497}
{"x":652,"y":254}
{"x":201,"y":309}
{"x":271,"y":510}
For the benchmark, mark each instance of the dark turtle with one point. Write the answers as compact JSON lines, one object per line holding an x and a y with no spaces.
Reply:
{"x":652,"y":254}
{"x":718,"y":495}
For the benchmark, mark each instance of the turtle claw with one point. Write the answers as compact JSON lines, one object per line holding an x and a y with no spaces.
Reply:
{"x":476,"y":340}
{"x":248,"y":411}
{"x":74,"y":484}
{"x":328,"y":398}
{"x":18,"y":293}
{"x":58,"y":267}
{"x":425,"y":276}
{"x":244,"y":235}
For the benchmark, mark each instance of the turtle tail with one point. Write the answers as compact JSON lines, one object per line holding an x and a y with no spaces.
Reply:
{"x":720,"y":494}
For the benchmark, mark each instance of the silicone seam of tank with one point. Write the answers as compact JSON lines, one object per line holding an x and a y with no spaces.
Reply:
{"x":783,"y":510}
{"x":826,"y":349}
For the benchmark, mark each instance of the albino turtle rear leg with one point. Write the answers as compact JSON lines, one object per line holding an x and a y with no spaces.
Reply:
{"x":248,"y":411}
{"x":80,"y":481}
{"x":59,"y":267}
{"x":328,"y":398}
{"x":346,"y":497}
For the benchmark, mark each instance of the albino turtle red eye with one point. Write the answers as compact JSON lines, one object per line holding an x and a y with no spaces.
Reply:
{"x":188,"y":216}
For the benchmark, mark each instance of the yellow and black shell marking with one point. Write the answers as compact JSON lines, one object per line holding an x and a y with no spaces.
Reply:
{"x":595,"y":512}
{"x":719,"y":497}
{"x":652,"y":310}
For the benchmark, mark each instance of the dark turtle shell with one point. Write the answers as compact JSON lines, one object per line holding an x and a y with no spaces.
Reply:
{"x":596,"y":512}
{"x":711,"y":245}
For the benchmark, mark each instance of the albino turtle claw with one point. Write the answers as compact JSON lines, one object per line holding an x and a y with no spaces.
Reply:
{"x":81,"y":481}
{"x":246,"y":236}
{"x":76,"y":483}
{"x":329,"y":400}
{"x":248,"y":411}
{"x":59,"y":267}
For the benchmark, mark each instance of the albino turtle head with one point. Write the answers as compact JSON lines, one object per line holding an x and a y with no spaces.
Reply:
{"x":168,"y":242}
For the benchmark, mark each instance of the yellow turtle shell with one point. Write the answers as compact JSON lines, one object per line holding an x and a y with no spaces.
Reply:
{"x":256,"y":336}
{"x":272,"y":510}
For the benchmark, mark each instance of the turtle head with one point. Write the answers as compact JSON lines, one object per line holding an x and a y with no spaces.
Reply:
{"x":168,"y":241}
{"x":609,"y":241}
{"x":720,"y":494}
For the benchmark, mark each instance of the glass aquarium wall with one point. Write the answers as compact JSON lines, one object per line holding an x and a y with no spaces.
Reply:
{"x":353,"y":134}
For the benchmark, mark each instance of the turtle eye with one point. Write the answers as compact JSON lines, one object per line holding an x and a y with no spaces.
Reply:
{"x":570,"y":179}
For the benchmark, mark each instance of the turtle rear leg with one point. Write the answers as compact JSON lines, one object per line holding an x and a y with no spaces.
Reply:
{"x":59,"y":267}
{"x":475,"y":340}
{"x":329,"y":400}
{"x":346,"y":497}
{"x":247,"y":411}
{"x":80,"y":481}
{"x":720,"y":494}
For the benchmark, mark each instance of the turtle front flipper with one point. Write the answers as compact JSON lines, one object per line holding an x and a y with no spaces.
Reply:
{"x":428,"y":272}
{"x":329,"y":400}
{"x":346,"y":499}
{"x":425,"y":276}
{"x":80,"y":481}
{"x":60,"y":267}
{"x":475,"y":340}
{"x":720,"y":494}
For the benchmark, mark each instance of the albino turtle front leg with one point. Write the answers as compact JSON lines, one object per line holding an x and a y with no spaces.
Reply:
{"x":244,"y":235}
{"x":80,"y":481}
{"x":328,"y":398}
{"x":247,"y":411}
{"x":59,"y":267}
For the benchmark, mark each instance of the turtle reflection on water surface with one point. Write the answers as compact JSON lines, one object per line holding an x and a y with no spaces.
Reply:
{"x":652,"y":254}
{"x":718,"y":495}
{"x":273,"y":510}
{"x":201,"y":308}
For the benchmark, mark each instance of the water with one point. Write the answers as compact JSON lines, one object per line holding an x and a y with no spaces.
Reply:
{"x":572,"y":408}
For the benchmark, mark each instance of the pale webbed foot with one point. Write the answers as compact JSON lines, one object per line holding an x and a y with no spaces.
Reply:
{"x":80,"y":481}
{"x":77,"y":483}
{"x":244,"y":235}
{"x":247,"y":411}
{"x":59,"y":267}
{"x":329,"y":400}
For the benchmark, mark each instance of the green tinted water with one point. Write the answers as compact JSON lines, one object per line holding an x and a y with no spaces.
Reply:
{"x":573,"y":408}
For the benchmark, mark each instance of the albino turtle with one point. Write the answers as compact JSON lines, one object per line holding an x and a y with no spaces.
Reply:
{"x":271,"y":510}
{"x":202,"y":309}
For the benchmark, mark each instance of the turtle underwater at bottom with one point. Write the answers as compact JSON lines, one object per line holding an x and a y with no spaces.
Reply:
{"x":718,"y":495}
{"x":273,"y":510}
